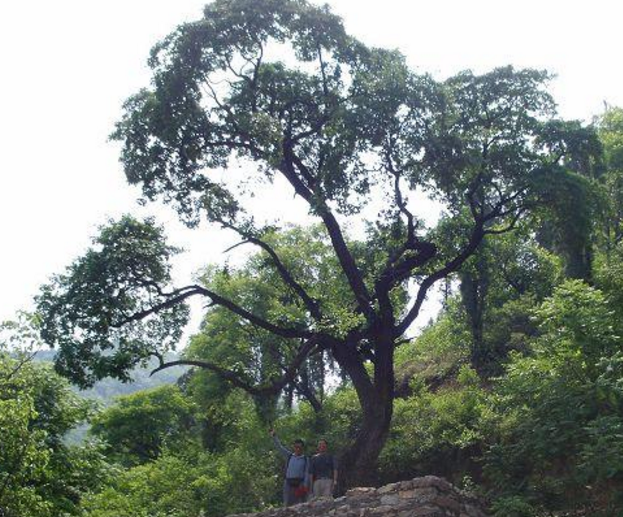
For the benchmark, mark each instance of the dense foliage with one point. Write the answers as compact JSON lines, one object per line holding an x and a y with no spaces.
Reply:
{"x":530,"y":440}
{"x":542,"y":436}
{"x":514,"y":391}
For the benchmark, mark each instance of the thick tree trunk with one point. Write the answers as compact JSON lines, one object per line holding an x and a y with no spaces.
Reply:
{"x":359,"y":464}
{"x":474,"y":290}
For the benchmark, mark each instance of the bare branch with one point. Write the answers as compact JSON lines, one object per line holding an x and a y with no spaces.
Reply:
{"x":272,"y":388}
{"x":450,"y":267}
{"x":227,"y":375}
{"x":349,"y":266}
{"x":393,"y":272}
{"x":511,"y":225}
{"x":20,"y":364}
{"x":312,"y":130}
{"x":400,"y":201}
{"x":478,"y":233}
{"x":309,"y":395}
{"x":193,"y":290}
{"x":231,"y":248}
{"x":305,"y":173}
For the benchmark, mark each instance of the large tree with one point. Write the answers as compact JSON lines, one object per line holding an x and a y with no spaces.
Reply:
{"x":262,"y":91}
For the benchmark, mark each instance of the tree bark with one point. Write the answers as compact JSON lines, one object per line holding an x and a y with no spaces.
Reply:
{"x":359,"y":464}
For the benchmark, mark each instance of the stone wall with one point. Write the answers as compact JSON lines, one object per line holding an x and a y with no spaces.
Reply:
{"x":428,"y":496}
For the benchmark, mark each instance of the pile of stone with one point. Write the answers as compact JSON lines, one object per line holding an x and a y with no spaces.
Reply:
{"x":428,"y":496}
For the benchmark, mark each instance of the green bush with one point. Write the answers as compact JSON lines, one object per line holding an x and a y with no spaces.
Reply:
{"x":197,"y":484}
{"x":557,"y":429}
{"x":513,"y":506}
{"x":40,"y":475}
{"x":437,"y":432}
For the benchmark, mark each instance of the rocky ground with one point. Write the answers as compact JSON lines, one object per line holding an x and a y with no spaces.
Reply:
{"x":428,"y":496}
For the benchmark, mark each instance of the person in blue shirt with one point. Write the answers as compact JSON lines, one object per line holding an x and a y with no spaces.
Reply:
{"x":296,"y":484}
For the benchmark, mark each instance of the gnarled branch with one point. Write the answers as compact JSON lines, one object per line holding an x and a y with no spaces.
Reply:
{"x":347,"y":261}
{"x":451,"y":266}
{"x":311,"y":304}
{"x":236,"y":379}
{"x":183,"y":293}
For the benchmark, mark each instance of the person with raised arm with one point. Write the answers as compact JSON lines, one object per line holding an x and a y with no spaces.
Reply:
{"x":296,"y":484}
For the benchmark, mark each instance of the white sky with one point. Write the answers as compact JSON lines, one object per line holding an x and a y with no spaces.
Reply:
{"x":69,"y":64}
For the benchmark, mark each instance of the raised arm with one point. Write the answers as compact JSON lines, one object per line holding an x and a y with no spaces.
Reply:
{"x":279,"y":446}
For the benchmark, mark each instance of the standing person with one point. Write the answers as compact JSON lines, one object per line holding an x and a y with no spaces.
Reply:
{"x":296,"y":482}
{"x":323,"y":471}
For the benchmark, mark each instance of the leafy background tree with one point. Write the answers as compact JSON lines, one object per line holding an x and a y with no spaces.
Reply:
{"x":138,"y":426}
{"x":39,"y":473}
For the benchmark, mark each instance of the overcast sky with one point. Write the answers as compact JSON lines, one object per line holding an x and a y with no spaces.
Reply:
{"x":67,"y":66}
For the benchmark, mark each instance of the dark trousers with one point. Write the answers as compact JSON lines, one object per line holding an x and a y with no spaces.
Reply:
{"x":289,"y":495}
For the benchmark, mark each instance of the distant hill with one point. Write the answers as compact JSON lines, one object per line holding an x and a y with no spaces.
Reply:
{"x":106,"y":390}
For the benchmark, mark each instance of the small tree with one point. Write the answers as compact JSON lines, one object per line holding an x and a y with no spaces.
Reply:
{"x":138,"y":426}
{"x":264,"y":89}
